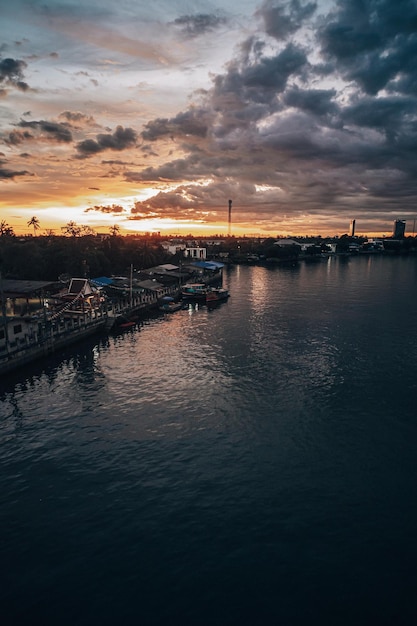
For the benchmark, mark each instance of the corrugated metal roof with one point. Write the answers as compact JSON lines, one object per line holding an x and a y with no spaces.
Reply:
{"x":150,"y":284}
{"x":16,"y":288}
{"x":286,"y":242}
{"x":167,"y":266}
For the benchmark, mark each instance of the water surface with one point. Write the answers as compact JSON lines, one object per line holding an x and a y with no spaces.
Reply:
{"x":250,"y":464}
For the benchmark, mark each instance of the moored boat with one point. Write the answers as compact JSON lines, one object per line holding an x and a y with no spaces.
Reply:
{"x":217,"y":294}
{"x":199,"y":292}
{"x":194,"y":291}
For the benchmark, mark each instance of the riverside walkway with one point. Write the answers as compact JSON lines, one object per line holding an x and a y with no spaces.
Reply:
{"x":36,"y":337}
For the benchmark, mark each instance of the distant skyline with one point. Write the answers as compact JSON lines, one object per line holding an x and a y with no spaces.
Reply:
{"x":153,"y":115}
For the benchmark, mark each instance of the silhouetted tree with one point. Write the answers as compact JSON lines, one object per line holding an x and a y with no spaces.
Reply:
{"x":6,"y":230}
{"x":71,"y":229}
{"x":114,"y":230}
{"x":34,"y":222}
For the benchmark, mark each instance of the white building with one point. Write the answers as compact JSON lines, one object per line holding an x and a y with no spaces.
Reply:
{"x":195,"y":253}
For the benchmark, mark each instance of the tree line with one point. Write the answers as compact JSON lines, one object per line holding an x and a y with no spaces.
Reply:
{"x":80,"y":252}
{"x":77,"y":252}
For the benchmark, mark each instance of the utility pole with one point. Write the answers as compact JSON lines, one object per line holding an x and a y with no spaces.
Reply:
{"x":131,"y":286}
{"x":4,"y":314}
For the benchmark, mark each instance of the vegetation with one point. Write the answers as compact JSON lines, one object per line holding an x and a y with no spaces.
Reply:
{"x":34,"y":222}
{"x":80,"y":252}
{"x":6,"y":230}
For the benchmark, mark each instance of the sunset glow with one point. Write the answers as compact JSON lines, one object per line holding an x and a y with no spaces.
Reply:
{"x":152,"y":117}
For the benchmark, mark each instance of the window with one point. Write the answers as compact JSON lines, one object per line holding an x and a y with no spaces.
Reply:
{"x":17,"y":329}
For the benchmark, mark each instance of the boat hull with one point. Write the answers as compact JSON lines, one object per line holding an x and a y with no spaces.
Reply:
{"x":204,"y":294}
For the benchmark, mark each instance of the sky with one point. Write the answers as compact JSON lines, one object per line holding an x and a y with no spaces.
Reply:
{"x":153,"y":115}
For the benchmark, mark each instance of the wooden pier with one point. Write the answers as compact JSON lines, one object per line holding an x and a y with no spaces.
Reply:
{"x":25,"y":339}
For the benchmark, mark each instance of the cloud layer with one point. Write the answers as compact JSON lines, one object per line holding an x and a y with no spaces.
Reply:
{"x":311,"y":122}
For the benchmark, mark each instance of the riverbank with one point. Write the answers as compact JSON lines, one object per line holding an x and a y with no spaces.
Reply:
{"x":83,"y":308}
{"x":32,"y":338}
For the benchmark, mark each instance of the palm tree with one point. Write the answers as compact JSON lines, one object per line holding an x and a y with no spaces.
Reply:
{"x":35,"y":223}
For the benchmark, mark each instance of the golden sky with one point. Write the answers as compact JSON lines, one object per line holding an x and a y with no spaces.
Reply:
{"x":152,"y":116}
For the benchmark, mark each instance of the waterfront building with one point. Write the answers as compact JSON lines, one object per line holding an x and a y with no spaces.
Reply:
{"x":195,"y":253}
{"x":18,"y":332}
{"x":399,"y":229}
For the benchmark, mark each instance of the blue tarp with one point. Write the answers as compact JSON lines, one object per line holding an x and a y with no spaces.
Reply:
{"x":102,"y":281}
{"x":208,"y":265}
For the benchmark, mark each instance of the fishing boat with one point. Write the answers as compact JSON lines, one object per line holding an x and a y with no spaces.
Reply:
{"x":200,"y":292}
{"x":216,"y":294}
{"x":194,"y":291}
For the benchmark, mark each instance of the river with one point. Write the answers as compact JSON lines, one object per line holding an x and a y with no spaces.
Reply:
{"x":250,"y":464}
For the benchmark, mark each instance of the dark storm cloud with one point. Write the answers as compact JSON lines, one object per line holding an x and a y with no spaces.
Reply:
{"x":388,"y":113}
{"x":205,"y":203}
{"x":16,"y":137}
{"x":164,"y":203}
{"x":195,"y":25}
{"x":6,"y":174}
{"x":316,"y":101}
{"x":55,"y":131}
{"x":11,"y":73}
{"x":245,"y":95}
{"x":78,"y":118}
{"x":371,"y":41}
{"x":190,"y":202}
{"x":283,"y":19}
{"x":192,"y":122}
{"x":203,"y":164}
{"x":89,"y":147}
{"x":273,"y":72}
{"x":22,"y":86}
{"x":121,"y":139}
{"x":247,"y":92}
{"x":249,"y":88}
{"x":174,"y":170}
{"x":115,"y":162}
{"x":314,"y":149}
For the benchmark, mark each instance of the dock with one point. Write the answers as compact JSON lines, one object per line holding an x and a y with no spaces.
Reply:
{"x":30,"y":338}
{"x":78,"y":313}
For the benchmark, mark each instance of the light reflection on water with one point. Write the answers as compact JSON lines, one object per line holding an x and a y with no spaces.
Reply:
{"x":281,"y":337}
{"x":208,"y":449}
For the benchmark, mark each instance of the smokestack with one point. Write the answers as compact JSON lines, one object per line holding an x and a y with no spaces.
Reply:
{"x":230,"y":216}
